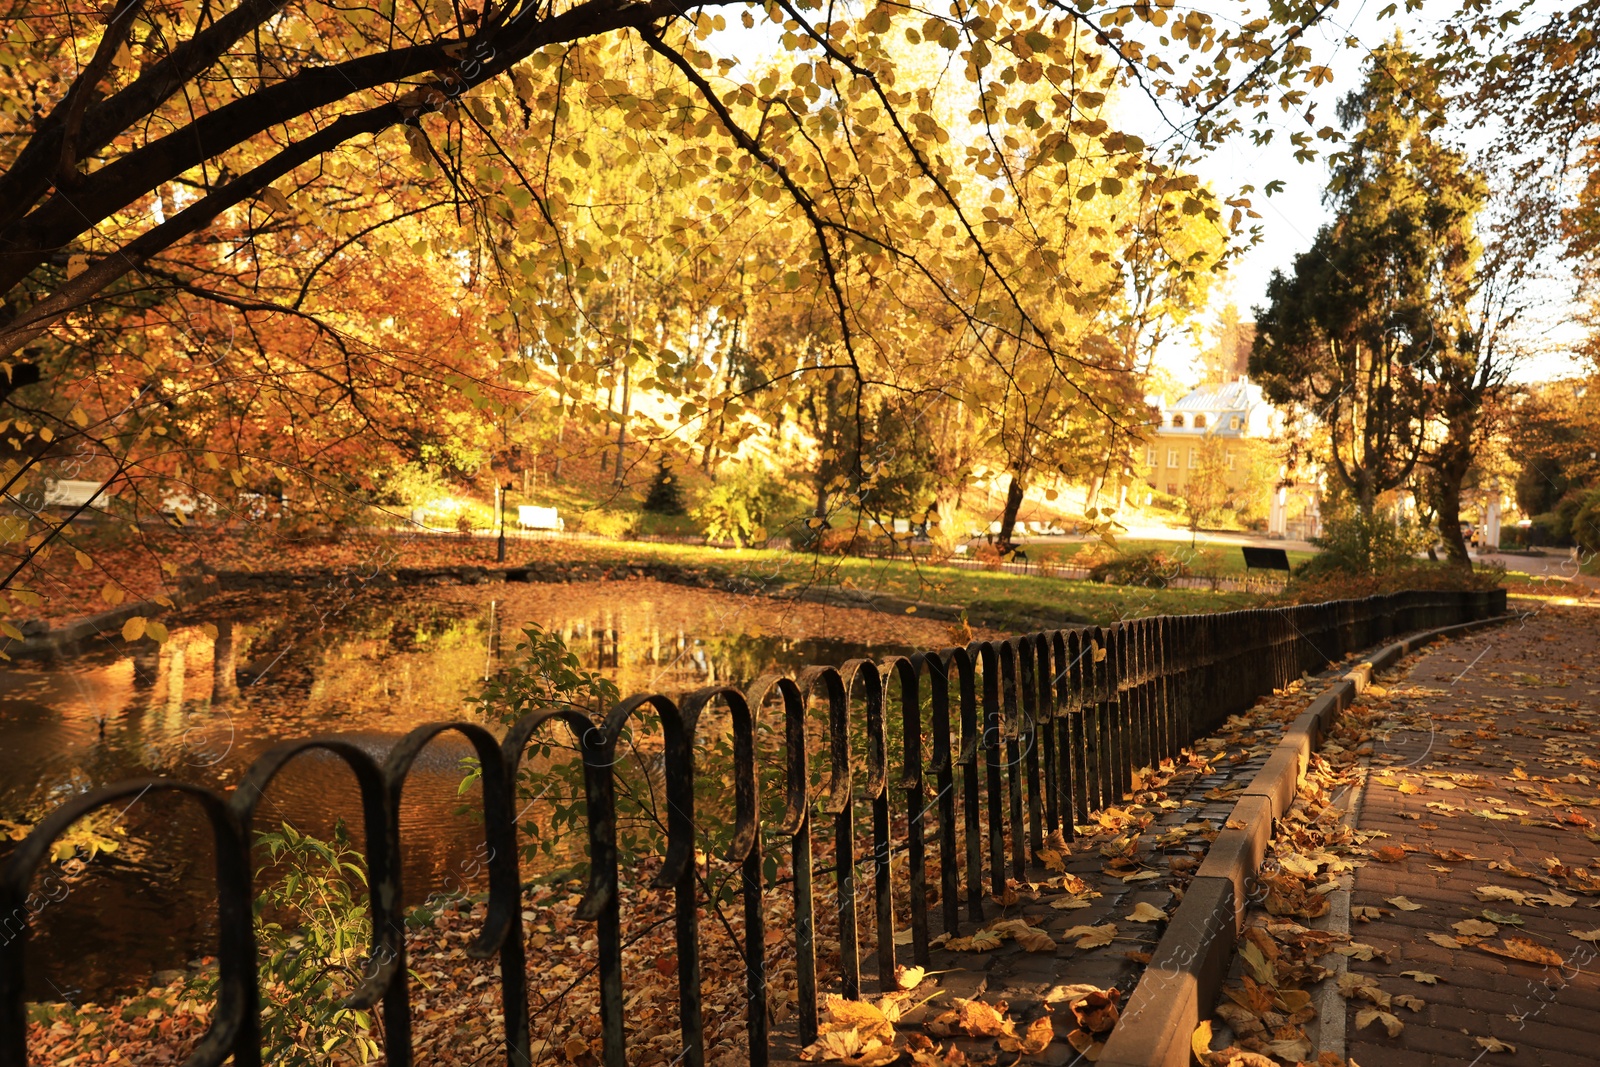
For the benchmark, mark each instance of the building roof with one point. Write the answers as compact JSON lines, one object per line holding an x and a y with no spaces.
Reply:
{"x":1219,"y":403}
{"x":1234,"y":396}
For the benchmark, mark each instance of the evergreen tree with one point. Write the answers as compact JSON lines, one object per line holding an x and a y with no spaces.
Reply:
{"x":666,"y":495}
{"x":1377,"y":308}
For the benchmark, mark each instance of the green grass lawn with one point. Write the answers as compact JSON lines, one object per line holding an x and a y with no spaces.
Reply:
{"x":990,"y":593}
{"x":1225,"y":560}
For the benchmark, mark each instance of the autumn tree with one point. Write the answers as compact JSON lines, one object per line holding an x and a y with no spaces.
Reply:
{"x":218,"y":167}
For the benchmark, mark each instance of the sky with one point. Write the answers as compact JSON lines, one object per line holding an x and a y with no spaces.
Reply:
{"x":1291,"y":217}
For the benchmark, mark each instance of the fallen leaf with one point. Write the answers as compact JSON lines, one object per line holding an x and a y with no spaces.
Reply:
{"x":1294,"y":1048}
{"x":1489,"y":893}
{"x":1553,"y":898}
{"x":1034,"y":1040}
{"x":1421,"y":976}
{"x":1444,"y":940}
{"x":1097,"y":1013}
{"x":1494,"y":1044}
{"x":865,"y":1017}
{"x":1587,"y":935}
{"x":909,"y":977}
{"x":1358,"y":950}
{"x":1391,"y":1023}
{"x":1474,"y":928}
{"x":1146,"y":913}
{"x":1200,"y":1041}
{"x":1092,"y":936}
{"x":1403,"y":904}
{"x":980,"y":941}
{"x":1030,"y":938}
{"x":1406,"y":1000}
{"x":1521,"y":948}
{"x":1389,"y":854}
{"x":972,"y":1018}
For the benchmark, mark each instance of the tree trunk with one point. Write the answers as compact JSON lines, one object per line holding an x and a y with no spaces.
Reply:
{"x":622,"y":422}
{"x":1008,"y":518}
{"x":1447,"y":514}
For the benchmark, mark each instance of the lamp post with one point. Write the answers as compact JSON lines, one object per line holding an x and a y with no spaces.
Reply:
{"x":500,"y":548}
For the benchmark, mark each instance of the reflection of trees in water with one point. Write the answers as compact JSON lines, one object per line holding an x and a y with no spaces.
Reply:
{"x":639,"y":653}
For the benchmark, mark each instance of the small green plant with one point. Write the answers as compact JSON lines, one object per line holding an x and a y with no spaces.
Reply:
{"x":312,"y":931}
{"x":547,"y":676}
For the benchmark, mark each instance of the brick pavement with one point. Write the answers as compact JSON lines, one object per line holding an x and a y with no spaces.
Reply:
{"x":1486,"y":768}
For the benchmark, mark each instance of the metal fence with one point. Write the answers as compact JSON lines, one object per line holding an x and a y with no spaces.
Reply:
{"x":1002,"y":743}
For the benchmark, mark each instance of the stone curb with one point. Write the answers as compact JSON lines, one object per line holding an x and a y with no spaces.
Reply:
{"x":1184,"y":976}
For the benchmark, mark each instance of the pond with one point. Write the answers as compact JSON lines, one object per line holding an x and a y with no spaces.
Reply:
{"x":240,"y":673}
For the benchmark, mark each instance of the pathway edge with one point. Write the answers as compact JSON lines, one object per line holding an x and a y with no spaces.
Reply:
{"x":1183,"y":979}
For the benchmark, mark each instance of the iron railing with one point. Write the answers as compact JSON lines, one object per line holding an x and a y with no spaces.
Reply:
{"x":1028,"y":736}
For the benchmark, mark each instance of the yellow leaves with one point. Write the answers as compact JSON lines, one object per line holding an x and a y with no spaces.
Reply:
{"x":1146,"y":913}
{"x":1488,"y":893}
{"x":972,"y":1018}
{"x":909,"y":977}
{"x":1367,"y":1016}
{"x":1031,"y":938}
{"x":1091,"y":936}
{"x":1052,"y":860}
{"x":1445,"y":941}
{"x":137,"y":627}
{"x":1256,"y":961}
{"x":1494,"y":1044}
{"x":1403,"y":903}
{"x":1422,"y":977}
{"x":1032,"y":1041}
{"x":1522,"y":948}
{"x":980,"y":941}
{"x":866,"y":1018}
{"x":1474,"y":928}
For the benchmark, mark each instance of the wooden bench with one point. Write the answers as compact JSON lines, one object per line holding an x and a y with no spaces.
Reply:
{"x":1267,"y":559}
{"x":530,"y":517}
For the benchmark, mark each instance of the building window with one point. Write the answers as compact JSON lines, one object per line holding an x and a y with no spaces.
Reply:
{"x":1233,"y":423}
{"x":1150,"y":456}
{"x":1177,"y":421}
{"x":1230,"y":461}
{"x":1172,"y":457}
{"x":1194,"y":458}
{"x":1199,"y":422}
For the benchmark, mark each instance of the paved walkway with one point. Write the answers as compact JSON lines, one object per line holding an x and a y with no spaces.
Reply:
{"x":1489,"y":779}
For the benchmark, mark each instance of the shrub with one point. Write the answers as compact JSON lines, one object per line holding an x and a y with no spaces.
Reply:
{"x":1361,"y":545}
{"x":607,"y":523}
{"x":1583,"y":526}
{"x":1151,"y":568}
{"x":737,"y":508}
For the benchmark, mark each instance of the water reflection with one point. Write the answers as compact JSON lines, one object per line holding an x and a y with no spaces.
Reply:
{"x":246,"y":672}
